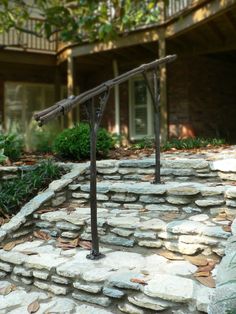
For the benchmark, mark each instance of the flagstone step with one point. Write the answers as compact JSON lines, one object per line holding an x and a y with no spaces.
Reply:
{"x":120,"y":281}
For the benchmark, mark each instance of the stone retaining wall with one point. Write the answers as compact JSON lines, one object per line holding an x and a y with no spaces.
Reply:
{"x":197,"y":170}
{"x":177,"y":216}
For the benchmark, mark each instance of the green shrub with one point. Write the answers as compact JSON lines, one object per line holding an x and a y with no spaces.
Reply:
{"x":191,"y":143}
{"x":74,"y":143}
{"x":12,"y":145}
{"x":15,"y":192}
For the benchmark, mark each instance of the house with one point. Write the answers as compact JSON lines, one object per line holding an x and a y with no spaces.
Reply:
{"x":198,"y":90}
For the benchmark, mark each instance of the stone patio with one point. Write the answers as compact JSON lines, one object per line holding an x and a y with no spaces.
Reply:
{"x":147,"y":232}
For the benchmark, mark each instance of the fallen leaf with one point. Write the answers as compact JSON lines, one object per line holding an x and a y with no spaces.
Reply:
{"x":8,"y":289}
{"x":139,"y":280}
{"x":207,"y":281}
{"x":206,"y":268}
{"x":227,"y":228}
{"x":41,"y":235}
{"x":170,"y":255}
{"x":85,"y":245}
{"x":196,"y":260}
{"x":33,"y":307}
{"x":46,"y":210}
{"x":71,"y":244}
{"x":9,"y":246}
{"x":202,"y":274}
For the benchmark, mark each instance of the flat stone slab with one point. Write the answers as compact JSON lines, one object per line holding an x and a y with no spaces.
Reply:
{"x":44,"y":261}
{"x":172,"y":288}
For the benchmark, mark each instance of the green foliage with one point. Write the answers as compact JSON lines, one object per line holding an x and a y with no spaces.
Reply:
{"x":191,"y":143}
{"x":146,"y":142}
{"x":15,"y":192}
{"x":79,"y":20}
{"x":74,"y":143}
{"x":11,"y":145}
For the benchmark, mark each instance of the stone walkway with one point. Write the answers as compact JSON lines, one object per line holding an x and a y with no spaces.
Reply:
{"x":105,"y":282}
{"x":144,"y":230}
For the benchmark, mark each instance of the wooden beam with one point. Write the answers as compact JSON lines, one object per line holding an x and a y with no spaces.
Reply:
{"x":70,"y":86}
{"x":21,"y":57}
{"x":134,"y":38}
{"x":198,"y":16}
{"x":163,"y":78}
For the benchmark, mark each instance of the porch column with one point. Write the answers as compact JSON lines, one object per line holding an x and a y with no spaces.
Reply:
{"x":70,"y":86}
{"x":163,"y":76}
{"x":117,"y":98}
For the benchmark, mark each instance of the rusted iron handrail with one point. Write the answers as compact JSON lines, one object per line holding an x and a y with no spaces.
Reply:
{"x":95,"y":116}
{"x":65,"y":105}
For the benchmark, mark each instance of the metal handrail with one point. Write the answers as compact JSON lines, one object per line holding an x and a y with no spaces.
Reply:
{"x":65,"y":105}
{"x":95,"y":114}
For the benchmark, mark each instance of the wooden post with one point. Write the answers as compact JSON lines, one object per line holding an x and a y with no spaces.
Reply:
{"x":163,"y":77}
{"x":117,"y":98}
{"x":70,"y":86}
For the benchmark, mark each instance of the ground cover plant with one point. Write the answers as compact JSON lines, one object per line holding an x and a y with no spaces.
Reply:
{"x":11,"y":146}
{"x":15,"y":192}
{"x":191,"y":143}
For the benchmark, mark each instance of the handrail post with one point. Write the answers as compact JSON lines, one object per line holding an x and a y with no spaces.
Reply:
{"x":157,"y":130}
{"x":94,"y":254}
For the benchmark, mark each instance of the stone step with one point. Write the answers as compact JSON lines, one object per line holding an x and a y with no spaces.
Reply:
{"x":121,"y":280}
{"x":136,"y":229}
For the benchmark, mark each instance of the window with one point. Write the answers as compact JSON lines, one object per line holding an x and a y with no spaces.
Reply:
{"x":141,"y":111}
{"x":22,"y":100}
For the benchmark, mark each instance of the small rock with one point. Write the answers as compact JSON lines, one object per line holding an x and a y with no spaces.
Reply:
{"x":85,"y":297}
{"x":130,"y":309}
{"x":153,"y":244}
{"x":209,"y":202}
{"x":123,"y":280}
{"x":91,"y":288}
{"x":113,"y":293}
{"x":149,"y":303}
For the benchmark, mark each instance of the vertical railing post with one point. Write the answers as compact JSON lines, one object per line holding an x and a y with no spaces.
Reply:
{"x":94,"y":254}
{"x":157,"y":129}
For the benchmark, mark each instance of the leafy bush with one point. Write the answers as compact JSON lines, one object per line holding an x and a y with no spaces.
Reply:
{"x":75,"y":143}
{"x":15,"y":192}
{"x":190,"y":143}
{"x":11,"y":145}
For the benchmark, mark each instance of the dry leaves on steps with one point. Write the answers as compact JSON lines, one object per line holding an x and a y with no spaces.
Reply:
{"x":46,"y":210}
{"x":202,"y":274}
{"x":71,"y":244}
{"x":170,"y":255}
{"x":227,"y":228}
{"x":8,"y":289}
{"x":33,"y":307}
{"x":139,"y":280}
{"x":196,"y":260}
{"x":41,"y":235}
{"x":207,"y":281}
{"x":10,"y":245}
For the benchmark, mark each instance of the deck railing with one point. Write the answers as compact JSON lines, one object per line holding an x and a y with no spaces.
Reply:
{"x":27,"y":40}
{"x":22,"y":40}
{"x":175,"y":6}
